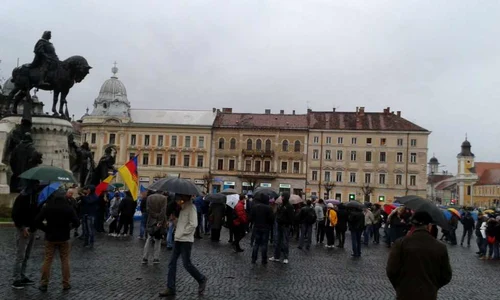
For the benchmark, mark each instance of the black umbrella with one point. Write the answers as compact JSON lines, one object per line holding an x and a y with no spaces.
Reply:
{"x":229,"y":192}
{"x":216,"y":198}
{"x":175,"y":185}
{"x":420,"y":204}
{"x":265,"y":191}
{"x":355,"y":204}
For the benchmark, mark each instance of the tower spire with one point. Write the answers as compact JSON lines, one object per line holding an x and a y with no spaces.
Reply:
{"x":114,"y":70}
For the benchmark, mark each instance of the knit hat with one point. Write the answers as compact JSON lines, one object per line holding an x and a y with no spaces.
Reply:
{"x":329,"y":205}
{"x":421,"y":218}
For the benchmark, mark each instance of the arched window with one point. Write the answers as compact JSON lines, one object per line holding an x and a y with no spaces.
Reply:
{"x":232,"y":145}
{"x":249,"y":144}
{"x":221,"y":143}
{"x":258,"y":144}
{"x":296,"y":147}
{"x":268,"y":145}
{"x":284,"y":146}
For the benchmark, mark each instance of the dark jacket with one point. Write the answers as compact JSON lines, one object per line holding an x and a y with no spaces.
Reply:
{"x":418,"y":266}
{"x":304,"y":212}
{"x":468,"y":223}
{"x":25,"y":210}
{"x":262,"y":216}
{"x":356,"y":221}
{"x":198,"y":202}
{"x":60,"y":219}
{"x":216,"y":213}
{"x":144,"y":205}
{"x":127,"y":207}
{"x":285,"y":214}
{"x":342,"y":217}
{"x":90,"y":203}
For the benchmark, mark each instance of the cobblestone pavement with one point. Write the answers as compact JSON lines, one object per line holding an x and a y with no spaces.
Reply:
{"x":113,"y":270}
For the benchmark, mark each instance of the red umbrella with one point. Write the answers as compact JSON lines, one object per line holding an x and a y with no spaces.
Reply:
{"x":388,"y":208}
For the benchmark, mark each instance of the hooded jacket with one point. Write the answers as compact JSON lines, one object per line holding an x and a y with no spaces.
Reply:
{"x":90,"y":203}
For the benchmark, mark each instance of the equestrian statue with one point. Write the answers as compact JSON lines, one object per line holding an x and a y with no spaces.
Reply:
{"x":48,"y":73}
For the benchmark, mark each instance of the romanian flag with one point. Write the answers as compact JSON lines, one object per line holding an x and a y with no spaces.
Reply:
{"x":103,"y":186}
{"x":129,"y":175}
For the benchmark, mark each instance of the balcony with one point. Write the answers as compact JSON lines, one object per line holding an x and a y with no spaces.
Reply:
{"x":261,"y":153}
{"x":260,"y":175}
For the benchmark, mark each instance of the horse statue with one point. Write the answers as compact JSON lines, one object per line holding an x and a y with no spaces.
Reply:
{"x":60,"y":80}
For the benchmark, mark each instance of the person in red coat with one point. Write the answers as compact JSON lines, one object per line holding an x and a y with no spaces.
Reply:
{"x":239,"y":221}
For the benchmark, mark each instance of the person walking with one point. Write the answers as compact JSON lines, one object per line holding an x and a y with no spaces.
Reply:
{"x":377,"y":223}
{"x":216,"y":216}
{"x":60,"y":218}
{"x":143,"y":233}
{"x":341,"y":227}
{"x":157,"y":213}
{"x":90,"y":206}
{"x":284,"y":218}
{"x":468,"y":225}
{"x":263,"y":219}
{"x":369,"y":221}
{"x":481,"y":234}
{"x":418,"y":264}
{"x":127,"y":211}
{"x":184,"y":239}
{"x":356,"y":226}
{"x":307,"y":219}
{"x":330,"y":223}
{"x":114,"y":212}
{"x":319,"y":209}
{"x":74,"y":204}
{"x":24,"y":212}
{"x":239,"y":223}
{"x":453,"y":228}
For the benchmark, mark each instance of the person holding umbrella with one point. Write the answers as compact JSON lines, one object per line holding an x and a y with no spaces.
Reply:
{"x":356,"y":221}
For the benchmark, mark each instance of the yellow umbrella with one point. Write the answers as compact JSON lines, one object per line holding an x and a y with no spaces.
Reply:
{"x":456,"y":212}
{"x":489,"y":211}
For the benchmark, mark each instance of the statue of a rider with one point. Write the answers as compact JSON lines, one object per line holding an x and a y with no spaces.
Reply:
{"x":46,"y":59}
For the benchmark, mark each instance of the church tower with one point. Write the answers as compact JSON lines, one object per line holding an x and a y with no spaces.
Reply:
{"x":433,"y":166}
{"x":466,"y":175}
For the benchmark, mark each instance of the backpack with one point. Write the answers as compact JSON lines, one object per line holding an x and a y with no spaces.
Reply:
{"x":310,"y":216}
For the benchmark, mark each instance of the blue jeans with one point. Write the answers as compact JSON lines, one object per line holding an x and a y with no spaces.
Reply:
{"x":356,"y":242}
{"x":144,"y":222}
{"x":182,"y":249}
{"x":170,"y":234}
{"x":482,"y":244}
{"x":261,"y":240}
{"x":305,"y":235}
{"x":282,"y":240}
{"x":89,"y":229}
{"x":493,"y":250}
{"x":366,"y":234}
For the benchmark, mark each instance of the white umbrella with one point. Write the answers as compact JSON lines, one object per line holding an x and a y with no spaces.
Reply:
{"x":232,"y":200}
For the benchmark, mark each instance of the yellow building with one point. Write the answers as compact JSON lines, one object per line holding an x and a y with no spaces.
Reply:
{"x":251,"y":150}
{"x":168,"y":142}
{"x":366,"y":156}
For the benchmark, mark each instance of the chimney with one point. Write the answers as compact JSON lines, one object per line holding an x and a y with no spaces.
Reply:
{"x":357,"y":109}
{"x":214,"y":110}
{"x":267,"y":111}
{"x":309,"y":110}
{"x":227,"y":110}
{"x":334,"y":109}
{"x":293,"y":112}
{"x":282,"y":112}
{"x":398,"y":113}
{"x":361,"y":111}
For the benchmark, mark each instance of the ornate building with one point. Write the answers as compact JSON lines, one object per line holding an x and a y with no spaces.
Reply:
{"x":251,"y":150}
{"x":370,"y":156}
{"x":466,"y":174}
{"x":167,"y":142}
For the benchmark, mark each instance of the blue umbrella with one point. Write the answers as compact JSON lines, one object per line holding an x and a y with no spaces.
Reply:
{"x":47,"y":191}
{"x":447,"y":214}
{"x":474,"y":215}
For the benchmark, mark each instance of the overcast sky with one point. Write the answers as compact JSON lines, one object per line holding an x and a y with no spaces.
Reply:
{"x":436,"y":61}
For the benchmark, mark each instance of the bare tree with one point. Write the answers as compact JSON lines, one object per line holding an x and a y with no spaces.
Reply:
{"x":367,"y":190}
{"x":207,"y":181}
{"x":253,"y":182}
{"x":329,"y":185}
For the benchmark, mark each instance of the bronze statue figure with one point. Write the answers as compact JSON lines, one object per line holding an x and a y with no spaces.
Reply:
{"x":106,"y":163}
{"x":24,"y":157}
{"x":83,"y":164}
{"x":47,"y":72}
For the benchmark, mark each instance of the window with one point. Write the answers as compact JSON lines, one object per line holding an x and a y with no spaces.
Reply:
{"x":284,"y":166}
{"x":130,"y":155}
{"x":353,"y":155}
{"x":381,"y":178}
{"x":93,"y":137}
{"x":340,"y":155}
{"x":248,"y":165}
{"x":159,"y":159}
{"x":186,"y":160}
{"x":231,"y":164}
{"x":174,"y":141}
{"x":400,"y":142}
{"x":199,"y":163}
{"x":268,"y":145}
{"x":399,"y":157}
{"x":413,"y":182}
{"x":340,"y":140}
{"x":249,"y":144}
{"x":296,"y":167}
{"x":145,"y":159}
{"x":315,"y":154}
{"x":267,"y":166}
{"x":383,"y":141}
{"x":187,"y":142}
{"x":133,"y":139}
{"x":232,"y":144}
{"x":399,"y":179}
{"x":316,"y":139}
{"x":368,"y":178}
{"x":328,"y":139}
{"x":258,"y":144}
{"x":160,"y":141}
{"x":220,"y":164}
{"x":257,"y":166}
{"x":221,"y":143}
{"x":201,"y":142}
{"x":368,"y":141}
{"x":146,"y":140}
{"x":352,"y":177}
{"x":85,"y":137}
{"x":284,"y":146}
{"x":413,"y":142}
{"x":314,"y":175}
{"x":112,"y":138}
{"x":338,"y":177}
{"x":296,"y":146}
{"x":354,"y":141}
{"x":469,"y":189}
{"x":173,"y":159}
{"x":327,"y":176}
{"x":368,"y":156}
{"x":328,"y":155}
{"x":382,"y":157}
{"x":413,"y":158}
